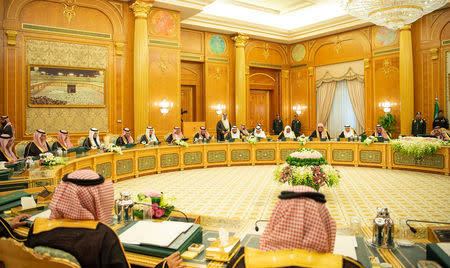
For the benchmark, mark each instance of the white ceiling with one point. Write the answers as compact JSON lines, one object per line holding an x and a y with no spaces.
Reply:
{"x":285,"y":21}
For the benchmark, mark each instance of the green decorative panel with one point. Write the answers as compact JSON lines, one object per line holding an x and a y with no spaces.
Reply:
{"x":42,"y":183}
{"x":366,"y":156}
{"x":169,"y":160}
{"x":146,"y":163}
{"x":192,"y":158}
{"x":124,"y":166}
{"x":322,"y":152}
{"x":265,"y":154}
{"x":430,"y":161}
{"x":104,"y":169}
{"x":217,"y":156}
{"x":286,"y":152}
{"x":240,"y":155}
{"x":343,"y":155}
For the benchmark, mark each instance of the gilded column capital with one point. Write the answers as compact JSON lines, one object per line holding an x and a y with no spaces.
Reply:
{"x":284,"y":74}
{"x":240,"y":40}
{"x":366,"y":63}
{"x":407,"y":27}
{"x":140,"y":9}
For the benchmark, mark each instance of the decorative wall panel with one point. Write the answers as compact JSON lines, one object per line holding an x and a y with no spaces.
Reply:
{"x":192,"y":158}
{"x":286,"y":152}
{"x":72,"y":55}
{"x":265,"y":155}
{"x":124,"y":166}
{"x":240,"y":155}
{"x":146,"y":163}
{"x":343,"y":155}
{"x":169,"y":160}
{"x":367,"y":156}
{"x":104,"y":169}
{"x":430,"y":161}
{"x":217,"y":156}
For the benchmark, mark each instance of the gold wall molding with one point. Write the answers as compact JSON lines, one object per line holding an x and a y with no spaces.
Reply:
{"x":366,"y":63}
{"x":310,"y":71}
{"x":217,"y":74}
{"x":118,"y":46}
{"x":337,"y":45}
{"x":387,"y":67}
{"x":11,"y":37}
{"x":266,"y":51}
{"x":434,"y":53}
{"x":69,"y":10}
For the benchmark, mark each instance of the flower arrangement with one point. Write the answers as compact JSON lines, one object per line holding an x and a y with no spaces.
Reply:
{"x":182,"y":143}
{"x":369,"y":140}
{"x":307,"y":167}
{"x":160,"y":208}
{"x":416,"y":147}
{"x":113,"y":148}
{"x":302,"y":139}
{"x":48,"y":159}
{"x":252,"y":140}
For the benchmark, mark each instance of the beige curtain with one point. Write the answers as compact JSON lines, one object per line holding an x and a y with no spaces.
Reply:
{"x":325,"y":97}
{"x":356,"y":92}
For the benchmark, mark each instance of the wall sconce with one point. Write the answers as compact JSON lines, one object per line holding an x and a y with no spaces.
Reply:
{"x":386,"y":106}
{"x":219,"y":108}
{"x":164,"y":106}
{"x":298,"y":109}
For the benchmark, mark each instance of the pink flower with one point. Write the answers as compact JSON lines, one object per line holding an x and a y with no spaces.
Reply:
{"x":152,"y":193}
{"x":158,"y":212}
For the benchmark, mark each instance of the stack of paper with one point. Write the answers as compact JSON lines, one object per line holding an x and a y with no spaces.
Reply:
{"x":44,"y":214}
{"x":345,"y":245}
{"x":160,"y":234}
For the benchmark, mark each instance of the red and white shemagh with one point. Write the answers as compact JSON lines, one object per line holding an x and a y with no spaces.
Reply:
{"x":300,"y":223}
{"x":72,"y":201}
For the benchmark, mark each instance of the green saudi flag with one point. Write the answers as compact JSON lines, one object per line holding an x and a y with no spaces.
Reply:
{"x":436,"y":109}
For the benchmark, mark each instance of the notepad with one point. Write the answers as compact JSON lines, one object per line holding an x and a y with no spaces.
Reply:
{"x":160,"y":234}
{"x":345,"y":245}
{"x":44,"y":214}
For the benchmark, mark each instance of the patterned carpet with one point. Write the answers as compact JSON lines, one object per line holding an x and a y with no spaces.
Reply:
{"x":249,"y":193}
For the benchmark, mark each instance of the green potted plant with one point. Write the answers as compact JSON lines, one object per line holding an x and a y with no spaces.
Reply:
{"x":388,"y":122}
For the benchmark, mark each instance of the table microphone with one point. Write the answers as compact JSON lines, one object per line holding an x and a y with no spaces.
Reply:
{"x":256,"y":224}
{"x":414,"y":230}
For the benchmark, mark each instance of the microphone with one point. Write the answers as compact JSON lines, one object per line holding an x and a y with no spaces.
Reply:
{"x":256,"y":224}
{"x":176,"y":210}
{"x":414,"y":230}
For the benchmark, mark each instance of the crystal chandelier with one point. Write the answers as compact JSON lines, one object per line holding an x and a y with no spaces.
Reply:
{"x":392,"y":14}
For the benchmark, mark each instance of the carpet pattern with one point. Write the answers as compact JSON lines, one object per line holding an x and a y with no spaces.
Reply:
{"x":248,"y":193}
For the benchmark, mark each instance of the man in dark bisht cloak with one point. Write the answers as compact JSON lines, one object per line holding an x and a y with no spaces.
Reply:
{"x":81,"y":211}
{"x":39,"y":144}
{"x":6,"y":126}
{"x":222,"y":128}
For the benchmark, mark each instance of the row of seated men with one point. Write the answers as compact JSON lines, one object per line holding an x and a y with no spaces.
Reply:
{"x":300,"y":227}
{"x":40,"y":145}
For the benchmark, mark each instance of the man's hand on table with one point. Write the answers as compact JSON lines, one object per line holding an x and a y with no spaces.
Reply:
{"x":17,"y":223}
{"x":175,"y":261}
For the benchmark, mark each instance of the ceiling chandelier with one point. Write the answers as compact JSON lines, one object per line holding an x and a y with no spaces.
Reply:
{"x":392,"y":14}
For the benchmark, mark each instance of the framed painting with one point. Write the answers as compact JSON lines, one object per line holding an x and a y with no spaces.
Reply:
{"x":55,"y":86}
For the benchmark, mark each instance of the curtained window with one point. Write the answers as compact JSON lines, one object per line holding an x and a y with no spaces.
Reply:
{"x":340,"y":96}
{"x":342,"y":112}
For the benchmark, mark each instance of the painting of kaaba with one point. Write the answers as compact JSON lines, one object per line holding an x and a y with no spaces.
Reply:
{"x":51,"y":86}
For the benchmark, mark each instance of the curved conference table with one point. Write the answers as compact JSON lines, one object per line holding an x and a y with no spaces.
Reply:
{"x":143,"y":160}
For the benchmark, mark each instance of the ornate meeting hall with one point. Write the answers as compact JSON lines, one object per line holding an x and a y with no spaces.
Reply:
{"x":224,"y":133}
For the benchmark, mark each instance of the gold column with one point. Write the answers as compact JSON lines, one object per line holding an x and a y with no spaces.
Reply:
{"x":406,"y":81}
{"x":240,"y":80}
{"x":141,"y":66}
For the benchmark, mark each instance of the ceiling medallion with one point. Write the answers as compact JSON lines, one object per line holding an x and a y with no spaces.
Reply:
{"x":392,"y":14}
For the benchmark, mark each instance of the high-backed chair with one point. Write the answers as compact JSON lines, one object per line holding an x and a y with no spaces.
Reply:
{"x":50,"y":141}
{"x":17,"y":255}
{"x":20,"y":148}
{"x":80,"y":141}
{"x":112,"y":138}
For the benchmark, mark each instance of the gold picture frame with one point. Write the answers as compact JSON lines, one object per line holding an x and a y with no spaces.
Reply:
{"x":62,"y":86}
